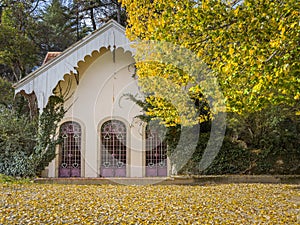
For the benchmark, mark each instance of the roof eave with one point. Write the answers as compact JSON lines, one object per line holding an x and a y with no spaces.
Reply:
{"x":68,"y":51}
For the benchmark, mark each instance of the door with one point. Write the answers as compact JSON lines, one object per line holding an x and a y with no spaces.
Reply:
{"x":113,"y":149}
{"x":156,"y":154}
{"x":70,"y":150}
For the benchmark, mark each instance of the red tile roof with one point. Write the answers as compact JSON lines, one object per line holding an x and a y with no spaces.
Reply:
{"x":50,"y":56}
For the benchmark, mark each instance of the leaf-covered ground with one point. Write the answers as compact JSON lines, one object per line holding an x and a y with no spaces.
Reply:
{"x":117,"y":204}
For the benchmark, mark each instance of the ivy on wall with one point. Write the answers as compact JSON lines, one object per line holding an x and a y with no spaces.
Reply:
{"x":47,"y":138}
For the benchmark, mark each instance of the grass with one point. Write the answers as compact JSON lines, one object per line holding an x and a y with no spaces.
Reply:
{"x":13,"y":180}
{"x":29,"y":203}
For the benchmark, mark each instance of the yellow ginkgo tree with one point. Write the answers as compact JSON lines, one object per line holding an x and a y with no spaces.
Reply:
{"x":252,"y":47}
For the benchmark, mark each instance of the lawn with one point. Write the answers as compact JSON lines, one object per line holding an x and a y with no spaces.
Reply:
{"x":117,"y":204}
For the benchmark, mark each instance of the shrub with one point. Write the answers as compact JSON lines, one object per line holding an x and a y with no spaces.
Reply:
{"x":17,"y":141}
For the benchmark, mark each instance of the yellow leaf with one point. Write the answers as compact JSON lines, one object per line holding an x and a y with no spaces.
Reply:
{"x":231,"y":51}
{"x":257,"y":87}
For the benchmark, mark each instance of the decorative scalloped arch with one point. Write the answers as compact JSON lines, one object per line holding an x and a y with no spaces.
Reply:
{"x":44,"y":80}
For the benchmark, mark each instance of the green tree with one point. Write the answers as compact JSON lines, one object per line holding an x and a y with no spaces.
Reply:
{"x":98,"y":11}
{"x":6,"y":93}
{"x":53,"y":31}
{"x":252,"y":45}
{"x":18,"y":53}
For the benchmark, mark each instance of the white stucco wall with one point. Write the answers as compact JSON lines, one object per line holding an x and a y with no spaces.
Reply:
{"x":99,"y":97}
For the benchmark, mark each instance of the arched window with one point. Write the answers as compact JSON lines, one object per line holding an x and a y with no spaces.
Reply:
{"x":70,"y":150}
{"x":113,"y":149}
{"x":156,"y":153}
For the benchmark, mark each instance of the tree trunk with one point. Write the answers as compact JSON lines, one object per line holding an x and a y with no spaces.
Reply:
{"x":32,"y":103}
{"x":118,"y":12}
{"x":93,"y":18}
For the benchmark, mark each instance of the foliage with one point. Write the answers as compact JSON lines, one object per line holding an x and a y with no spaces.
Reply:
{"x":159,"y":204}
{"x":266,"y":142}
{"x":47,"y":139}
{"x":27,"y":146}
{"x":97,"y":11}
{"x":270,"y":125}
{"x":272,"y":136}
{"x":55,"y":23}
{"x":253,"y":46}
{"x":178,"y":145}
{"x":13,"y":180}
{"x":31,"y":28}
{"x":17,"y":51}
{"x":17,"y":141}
{"x":6,"y":93}
{"x":232,"y":158}
{"x":168,"y":76}
{"x":17,"y":134}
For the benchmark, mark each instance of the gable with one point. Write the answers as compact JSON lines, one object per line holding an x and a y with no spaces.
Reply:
{"x":44,"y":80}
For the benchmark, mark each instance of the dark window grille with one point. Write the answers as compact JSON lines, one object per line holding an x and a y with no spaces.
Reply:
{"x":113,"y":138}
{"x":156,"y":149}
{"x":70,"y":151}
